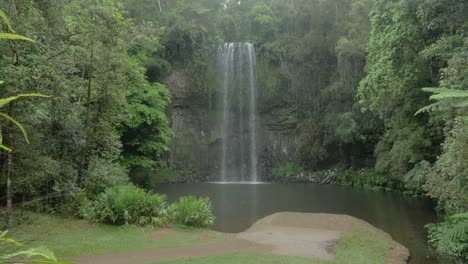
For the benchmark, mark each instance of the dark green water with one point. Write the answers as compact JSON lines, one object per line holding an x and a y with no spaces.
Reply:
{"x":237,"y":206}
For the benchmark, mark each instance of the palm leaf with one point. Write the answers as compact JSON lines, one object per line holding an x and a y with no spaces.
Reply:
{"x":4,"y":147}
{"x":6,"y":21}
{"x":428,"y":108}
{"x":446,"y":98}
{"x":4,"y":101}
{"x":12,"y":36}
{"x":444,"y":93}
{"x":43,"y":252}
{"x":17,"y":124}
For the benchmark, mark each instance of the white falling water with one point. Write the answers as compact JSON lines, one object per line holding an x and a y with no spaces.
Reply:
{"x":237,"y":65}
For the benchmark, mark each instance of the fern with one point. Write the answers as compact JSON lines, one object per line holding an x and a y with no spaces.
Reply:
{"x":447,"y":98}
{"x":451,"y":236}
{"x":11,"y":36}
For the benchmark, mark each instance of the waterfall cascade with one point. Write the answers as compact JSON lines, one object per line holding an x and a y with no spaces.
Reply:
{"x":237,"y":66}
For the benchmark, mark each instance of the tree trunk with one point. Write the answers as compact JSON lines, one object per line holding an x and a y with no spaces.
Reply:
{"x":84,"y":155}
{"x":160,"y":7}
{"x":9,"y":168}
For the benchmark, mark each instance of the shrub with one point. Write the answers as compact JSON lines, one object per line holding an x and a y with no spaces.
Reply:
{"x":451,"y":236}
{"x":128,"y":204}
{"x":366,"y":178}
{"x":288,"y":170}
{"x":415,"y":179}
{"x":76,"y":204}
{"x":191,"y":211}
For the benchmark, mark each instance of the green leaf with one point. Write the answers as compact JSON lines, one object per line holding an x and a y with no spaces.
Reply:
{"x":11,"y":36}
{"x":17,"y":124}
{"x":9,"y":240}
{"x":6,"y":21}
{"x":43,"y":252}
{"x":444,"y":93}
{"x":4,"y":147}
{"x":5,"y":101}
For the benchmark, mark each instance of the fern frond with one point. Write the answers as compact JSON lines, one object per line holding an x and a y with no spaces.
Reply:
{"x":4,"y":147}
{"x":4,"y":101}
{"x":457,"y":231}
{"x":446,"y":97}
{"x":11,"y":36}
{"x":442,"y":93}
{"x":6,"y":21}
{"x":17,"y":124}
{"x":460,"y":216}
{"x":429,"y":108}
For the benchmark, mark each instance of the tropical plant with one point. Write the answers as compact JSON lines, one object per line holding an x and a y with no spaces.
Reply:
{"x":11,"y":34}
{"x":3,"y":102}
{"x":192,"y":211}
{"x":447,"y":98}
{"x":128,"y":204}
{"x":288,"y":170}
{"x":32,"y":255}
{"x":451,"y":236}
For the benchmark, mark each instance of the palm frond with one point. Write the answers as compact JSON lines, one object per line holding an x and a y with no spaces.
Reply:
{"x":4,"y":101}
{"x":17,"y":124}
{"x":6,"y":21}
{"x":11,"y":36}
{"x":447,"y":98}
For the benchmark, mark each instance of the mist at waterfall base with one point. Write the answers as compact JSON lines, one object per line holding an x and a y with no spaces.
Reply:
{"x":237,"y":74}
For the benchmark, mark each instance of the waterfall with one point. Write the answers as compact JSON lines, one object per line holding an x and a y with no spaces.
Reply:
{"x":237,"y":67}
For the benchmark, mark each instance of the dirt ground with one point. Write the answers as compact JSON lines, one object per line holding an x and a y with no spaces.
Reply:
{"x":295,"y":234}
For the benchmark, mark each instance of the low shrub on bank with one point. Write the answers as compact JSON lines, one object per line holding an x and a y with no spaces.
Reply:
{"x":128,"y":204}
{"x":191,"y":211}
{"x":451,"y":237}
{"x":288,"y":170}
{"x":367,"y":179}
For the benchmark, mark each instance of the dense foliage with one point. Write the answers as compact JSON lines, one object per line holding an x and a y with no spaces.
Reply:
{"x":192,"y":211}
{"x":374,"y":89}
{"x":128,"y":204}
{"x":451,"y":236}
{"x":90,"y":59}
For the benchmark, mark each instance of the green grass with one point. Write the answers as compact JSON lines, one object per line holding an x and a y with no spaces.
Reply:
{"x":361,"y":246}
{"x":245,"y":258}
{"x":71,"y":237}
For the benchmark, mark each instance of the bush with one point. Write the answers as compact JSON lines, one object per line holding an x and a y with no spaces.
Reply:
{"x":103,"y":173}
{"x":128,"y":204}
{"x":288,"y":170}
{"x":366,"y":178}
{"x":77,"y":204}
{"x":451,"y":236}
{"x":191,"y":211}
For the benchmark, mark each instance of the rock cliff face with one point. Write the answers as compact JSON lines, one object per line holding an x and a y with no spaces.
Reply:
{"x":196,"y":146}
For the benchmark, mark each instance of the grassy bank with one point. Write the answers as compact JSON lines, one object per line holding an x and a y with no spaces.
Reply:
{"x":71,"y":237}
